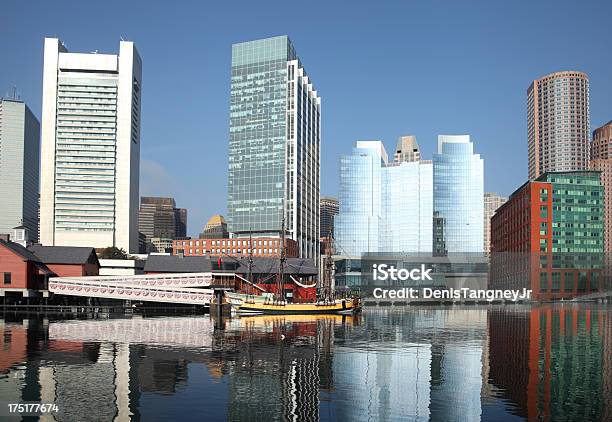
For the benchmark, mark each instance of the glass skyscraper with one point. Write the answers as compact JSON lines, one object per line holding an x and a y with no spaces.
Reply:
{"x":384,"y":207}
{"x":274,"y":145}
{"x":458,"y":189}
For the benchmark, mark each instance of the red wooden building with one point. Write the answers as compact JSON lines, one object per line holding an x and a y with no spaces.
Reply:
{"x":24,"y":272}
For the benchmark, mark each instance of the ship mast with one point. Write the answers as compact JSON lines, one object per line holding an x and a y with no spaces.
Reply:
{"x":280,"y":284}
{"x":328,"y":269}
{"x":250,"y":267}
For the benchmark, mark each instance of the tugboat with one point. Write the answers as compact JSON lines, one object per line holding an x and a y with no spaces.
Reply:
{"x":276,"y":303}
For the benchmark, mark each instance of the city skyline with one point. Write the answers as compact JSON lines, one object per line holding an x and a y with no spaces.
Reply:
{"x":497,"y":115}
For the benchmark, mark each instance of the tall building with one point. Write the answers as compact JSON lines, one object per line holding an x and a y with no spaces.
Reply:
{"x":215,"y":228}
{"x":458,"y":191}
{"x":492,"y":202}
{"x":19,"y":162}
{"x":90,"y":147}
{"x":558,"y":123}
{"x":384,"y":207}
{"x":274,"y":145}
{"x":601,"y":160}
{"x":407,"y":149}
{"x":328,"y":210}
{"x":159,"y":218}
{"x":548,"y":236}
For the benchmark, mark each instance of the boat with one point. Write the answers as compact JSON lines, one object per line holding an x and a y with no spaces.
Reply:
{"x":276,"y":303}
{"x":346,"y":306}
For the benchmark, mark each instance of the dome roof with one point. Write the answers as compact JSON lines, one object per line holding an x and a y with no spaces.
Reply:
{"x":215,"y":220}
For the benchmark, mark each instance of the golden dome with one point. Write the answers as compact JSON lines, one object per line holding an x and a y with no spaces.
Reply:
{"x":215,"y":220}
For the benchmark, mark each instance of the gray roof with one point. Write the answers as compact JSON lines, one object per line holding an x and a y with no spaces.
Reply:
{"x":20,"y":250}
{"x":63,"y":254}
{"x":177,"y":264}
{"x":197,"y":264}
{"x":26,"y":255}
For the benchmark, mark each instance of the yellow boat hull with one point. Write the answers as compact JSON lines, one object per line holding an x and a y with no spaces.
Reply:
{"x":343,"y":306}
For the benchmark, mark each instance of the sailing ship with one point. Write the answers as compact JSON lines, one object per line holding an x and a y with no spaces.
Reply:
{"x":270,"y":303}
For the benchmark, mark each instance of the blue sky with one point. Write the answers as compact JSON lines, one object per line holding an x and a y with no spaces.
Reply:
{"x":383,"y":69}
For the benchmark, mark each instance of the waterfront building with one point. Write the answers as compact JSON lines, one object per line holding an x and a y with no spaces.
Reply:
{"x":548,"y":236}
{"x":121,"y":267}
{"x":407,"y":195}
{"x":19,"y":163}
{"x":235,"y":247}
{"x":160,"y":219}
{"x":558,"y":123}
{"x":492,"y":202}
{"x":601,"y":160}
{"x":358,"y":226}
{"x":407,"y":150}
{"x":215,"y":228}
{"x":384,"y":207}
{"x":90,"y":147}
{"x":458,"y":191}
{"x":274,"y":145}
{"x":24,"y":272}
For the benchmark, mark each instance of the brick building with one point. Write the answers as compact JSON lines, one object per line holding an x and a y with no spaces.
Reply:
{"x":548,"y":237}
{"x":262,"y":247}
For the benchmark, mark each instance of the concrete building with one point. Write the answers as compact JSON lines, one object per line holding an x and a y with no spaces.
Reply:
{"x":160,"y":245}
{"x":118,"y":267}
{"x":215,"y":228}
{"x":601,"y":160}
{"x":407,"y":149}
{"x":458,"y":191}
{"x":160,"y":219}
{"x":19,"y":164}
{"x":328,"y":210}
{"x":558,"y":123}
{"x":90,"y":147}
{"x":274,"y":145}
{"x":548,"y":237}
{"x":492,"y":202}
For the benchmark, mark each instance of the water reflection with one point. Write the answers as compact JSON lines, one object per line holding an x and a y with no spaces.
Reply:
{"x":441,"y":364}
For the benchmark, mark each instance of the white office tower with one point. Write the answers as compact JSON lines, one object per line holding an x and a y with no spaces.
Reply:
{"x":90,"y":147}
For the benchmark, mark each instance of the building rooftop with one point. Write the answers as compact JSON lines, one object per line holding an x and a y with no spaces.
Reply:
{"x":215,"y":220}
{"x":196,"y":264}
{"x":63,"y":254}
{"x":26,"y":255}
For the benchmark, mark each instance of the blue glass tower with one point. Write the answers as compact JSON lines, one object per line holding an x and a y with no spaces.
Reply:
{"x":274,"y":145}
{"x":384,"y":207}
{"x":359,"y":223}
{"x":458,"y":183}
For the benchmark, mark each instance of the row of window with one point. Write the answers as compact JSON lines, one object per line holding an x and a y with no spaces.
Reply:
{"x":228,"y":242}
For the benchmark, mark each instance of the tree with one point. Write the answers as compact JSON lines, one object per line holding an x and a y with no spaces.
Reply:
{"x":113,"y":252}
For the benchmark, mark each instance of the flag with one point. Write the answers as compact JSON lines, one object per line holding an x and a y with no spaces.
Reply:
{"x":219,"y":262}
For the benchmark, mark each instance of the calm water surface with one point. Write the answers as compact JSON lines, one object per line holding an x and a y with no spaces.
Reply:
{"x":498,"y":363}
